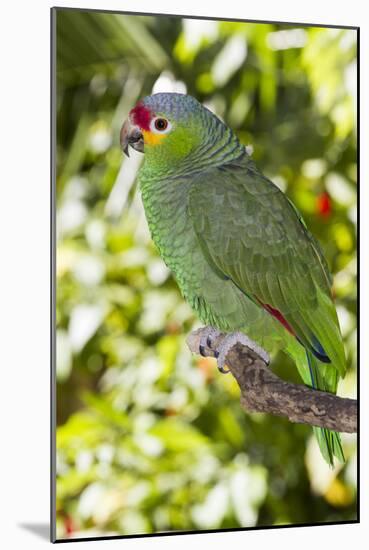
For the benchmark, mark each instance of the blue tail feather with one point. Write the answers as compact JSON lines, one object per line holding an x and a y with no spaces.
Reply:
{"x":319,"y":351}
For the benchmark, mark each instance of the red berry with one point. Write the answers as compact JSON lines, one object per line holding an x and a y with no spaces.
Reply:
{"x":324,"y":205}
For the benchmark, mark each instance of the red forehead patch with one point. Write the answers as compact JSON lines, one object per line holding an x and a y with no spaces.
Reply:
{"x":141,"y":116}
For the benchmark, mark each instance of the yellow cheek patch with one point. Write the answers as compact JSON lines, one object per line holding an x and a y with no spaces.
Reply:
{"x":152,"y":139}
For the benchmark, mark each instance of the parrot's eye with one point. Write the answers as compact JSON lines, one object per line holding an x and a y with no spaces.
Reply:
{"x":160,"y":125}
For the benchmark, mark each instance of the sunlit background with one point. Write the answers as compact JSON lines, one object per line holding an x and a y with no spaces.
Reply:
{"x":150,"y":438}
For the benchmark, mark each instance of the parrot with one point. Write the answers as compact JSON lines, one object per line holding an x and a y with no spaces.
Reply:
{"x":239,"y":250}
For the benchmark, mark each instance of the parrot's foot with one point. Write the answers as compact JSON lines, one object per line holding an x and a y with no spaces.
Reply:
{"x":209,"y":336}
{"x":238,"y":338}
{"x":207,"y":340}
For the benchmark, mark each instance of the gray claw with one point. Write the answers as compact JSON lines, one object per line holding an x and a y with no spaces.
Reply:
{"x":223,"y":370}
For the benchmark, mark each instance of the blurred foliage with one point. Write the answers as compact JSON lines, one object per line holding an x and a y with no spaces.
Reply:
{"x":149,"y":438}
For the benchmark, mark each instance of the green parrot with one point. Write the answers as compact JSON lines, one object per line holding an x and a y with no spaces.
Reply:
{"x":240,"y":251}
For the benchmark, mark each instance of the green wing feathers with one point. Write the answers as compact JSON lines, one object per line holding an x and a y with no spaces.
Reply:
{"x":252,"y":235}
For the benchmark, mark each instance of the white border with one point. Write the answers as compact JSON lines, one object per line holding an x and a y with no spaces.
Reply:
{"x":24,"y":285}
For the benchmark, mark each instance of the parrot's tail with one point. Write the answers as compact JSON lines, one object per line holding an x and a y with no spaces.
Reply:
{"x":330,"y":445}
{"x":329,"y":441}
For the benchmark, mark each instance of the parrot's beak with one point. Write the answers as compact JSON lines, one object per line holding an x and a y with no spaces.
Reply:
{"x":131,"y":135}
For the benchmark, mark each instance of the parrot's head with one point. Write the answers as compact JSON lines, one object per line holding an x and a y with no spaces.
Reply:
{"x":171,"y":128}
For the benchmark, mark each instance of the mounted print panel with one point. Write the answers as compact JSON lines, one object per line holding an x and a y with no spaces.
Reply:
{"x":204,"y":291}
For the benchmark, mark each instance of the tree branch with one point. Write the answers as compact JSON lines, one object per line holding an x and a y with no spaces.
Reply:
{"x":263,"y":391}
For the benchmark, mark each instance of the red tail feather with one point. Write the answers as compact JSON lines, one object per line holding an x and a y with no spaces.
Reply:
{"x":278,"y":315}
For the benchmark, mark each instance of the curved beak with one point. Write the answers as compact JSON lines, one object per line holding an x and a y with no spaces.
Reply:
{"x":131,"y":135}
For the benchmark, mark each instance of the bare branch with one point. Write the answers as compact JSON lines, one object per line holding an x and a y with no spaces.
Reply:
{"x":263,"y":391}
